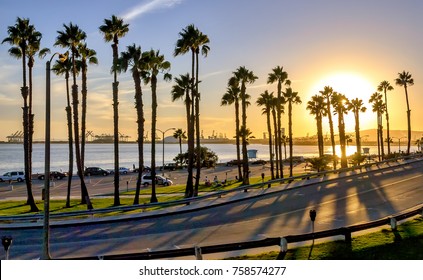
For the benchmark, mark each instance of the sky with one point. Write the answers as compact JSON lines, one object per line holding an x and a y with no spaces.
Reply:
{"x":349,"y":45}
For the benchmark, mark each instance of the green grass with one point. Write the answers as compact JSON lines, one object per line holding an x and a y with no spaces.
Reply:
{"x":406,"y":243}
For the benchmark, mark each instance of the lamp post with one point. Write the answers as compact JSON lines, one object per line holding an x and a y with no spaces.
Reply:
{"x":163,"y":142}
{"x":399,"y":143}
{"x":46,"y":190}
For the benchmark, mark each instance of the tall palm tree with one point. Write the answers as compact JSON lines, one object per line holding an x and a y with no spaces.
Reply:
{"x":19,"y":37}
{"x":64,"y":68}
{"x":379,"y":108}
{"x":200,"y":44}
{"x":113,"y":29}
{"x":71,"y":38}
{"x":281,"y":77}
{"x":134,"y":60}
{"x":339,"y":102}
{"x":356,"y":106}
{"x":34,"y":49}
{"x":327,"y":93}
{"x":291,"y":97}
{"x":266,"y":101}
{"x":232,"y":96}
{"x":155,"y":64}
{"x":405,"y":80}
{"x":317,"y":107}
{"x":187,"y":43}
{"x":384,"y":86}
{"x":87,"y":56}
{"x":180,"y":135}
{"x":242,"y":76}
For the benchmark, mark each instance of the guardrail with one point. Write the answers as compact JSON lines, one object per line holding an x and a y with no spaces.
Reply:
{"x":33,"y":218}
{"x":267,"y":242}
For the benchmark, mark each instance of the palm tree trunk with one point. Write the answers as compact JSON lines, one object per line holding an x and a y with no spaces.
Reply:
{"x":115,"y":86}
{"x":277,"y":146}
{"x":408,"y":121}
{"x":332,"y":134}
{"x":153,"y":138}
{"x":237,"y":140}
{"x":342,"y":140}
{"x":197,"y":128}
{"x":269,"y":130}
{"x":387,"y":124}
{"x":290,"y":139}
{"x":70,"y":140}
{"x":278,"y":133}
{"x":320,"y":135}
{"x":140,"y":127}
{"x":357,"y":132}
{"x":246,"y":175}
{"x":83,"y":113}
{"x":189,"y":190}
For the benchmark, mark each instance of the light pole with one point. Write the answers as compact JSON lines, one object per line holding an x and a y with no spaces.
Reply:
{"x":399,"y":143}
{"x":46,"y":191}
{"x":163,"y":142}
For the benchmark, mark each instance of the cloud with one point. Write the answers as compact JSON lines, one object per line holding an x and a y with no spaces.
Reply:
{"x":149,"y":6}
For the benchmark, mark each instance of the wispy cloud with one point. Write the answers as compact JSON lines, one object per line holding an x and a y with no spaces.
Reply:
{"x":149,"y":6}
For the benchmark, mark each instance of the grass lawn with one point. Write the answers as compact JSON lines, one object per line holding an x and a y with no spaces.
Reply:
{"x":404,"y":244}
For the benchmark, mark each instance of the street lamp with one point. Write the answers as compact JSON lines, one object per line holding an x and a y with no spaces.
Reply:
{"x":46,"y":191}
{"x":163,"y":142}
{"x":399,"y":143}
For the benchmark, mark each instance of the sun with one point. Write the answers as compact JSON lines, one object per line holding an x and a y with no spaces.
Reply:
{"x":352,"y":85}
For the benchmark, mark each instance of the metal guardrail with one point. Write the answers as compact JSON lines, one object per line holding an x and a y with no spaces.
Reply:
{"x":32,"y":218}
{"x":267,"y":242}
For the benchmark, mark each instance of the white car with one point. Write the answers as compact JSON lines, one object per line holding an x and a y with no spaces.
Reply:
{"x":13,"y":176}
{"x":146,"y":180}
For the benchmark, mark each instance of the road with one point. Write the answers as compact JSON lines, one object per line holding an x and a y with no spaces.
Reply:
{"x":338,"y":203}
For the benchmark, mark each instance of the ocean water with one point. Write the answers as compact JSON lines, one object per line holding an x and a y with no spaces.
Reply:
{"x":101,"y":155}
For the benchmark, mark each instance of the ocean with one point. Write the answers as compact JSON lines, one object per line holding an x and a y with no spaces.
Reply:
{"x":101,"y":155}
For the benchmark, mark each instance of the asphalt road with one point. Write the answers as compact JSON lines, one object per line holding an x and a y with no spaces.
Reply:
{"x":338,"y":203}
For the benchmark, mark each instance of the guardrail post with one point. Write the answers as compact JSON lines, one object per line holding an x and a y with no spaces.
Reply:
{"x":100,"y":258}
{"x":393,"y":223}
{"x":198,"y":255}
{"x":347,"y":234}
{"x":284,"y":245}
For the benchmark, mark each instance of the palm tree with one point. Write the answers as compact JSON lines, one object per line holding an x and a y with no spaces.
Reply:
{"x":155,"y":64}
{"x":317,"y":107}
{"x":405,"y":80}
{"x":180,"y":135}
{"x":327,"y":93}
{"x":71,"y":38}
{"x":112,"y":30}
{"x":186,"y":43}
{"x":20,"y":36}
{"x":356,"y":106}
{"x":291,"y":97}
{"x":88,"y":56}
{"x":281,"y":77}
{"x":242,"y":76}
{"x":339,"y":102}
{"x":384,"y":86}
{"x":134,"y":60}
{"x":266,"y":101}
{"x":379,"y":107}
{"x":232,"y":96}
{"x":64,"y":68}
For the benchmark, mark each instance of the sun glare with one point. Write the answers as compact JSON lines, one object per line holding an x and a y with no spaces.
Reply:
{"x":350,"y":84}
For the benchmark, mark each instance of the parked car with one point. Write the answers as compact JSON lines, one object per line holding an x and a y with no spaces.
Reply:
{"x":122,"y":170}
{"x":258,"y":162}
{"x":169,"y":166}
{"x":13,"y":176}
{"x":145,"y":169}
{"x":234,"y":162}
{"x":53,"y":174}
{"x":147,"y":180}
{"x":89,"y":171}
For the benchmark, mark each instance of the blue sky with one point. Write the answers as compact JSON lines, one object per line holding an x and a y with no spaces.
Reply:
{"x":350,"y":45}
